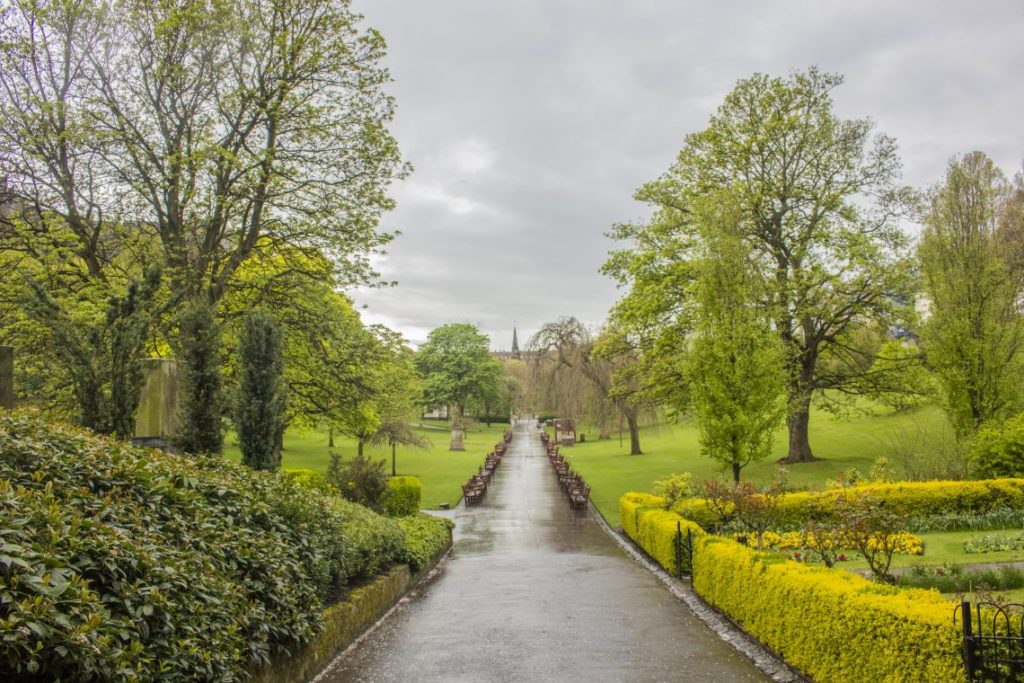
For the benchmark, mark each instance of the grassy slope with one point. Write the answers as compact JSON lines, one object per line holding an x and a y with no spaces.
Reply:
{"x":841,"y":443}
{"x":440,"y":470}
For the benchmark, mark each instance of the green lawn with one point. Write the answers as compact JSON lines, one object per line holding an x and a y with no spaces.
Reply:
{"x":441,"y":471}
{"x":841,"y":443}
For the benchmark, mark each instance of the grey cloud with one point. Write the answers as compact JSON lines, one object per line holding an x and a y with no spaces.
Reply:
{"x":531,"y":124}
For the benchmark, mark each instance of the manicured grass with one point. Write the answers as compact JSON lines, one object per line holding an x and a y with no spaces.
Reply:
{"x":841,"y":443}
{"x":439,"y":470}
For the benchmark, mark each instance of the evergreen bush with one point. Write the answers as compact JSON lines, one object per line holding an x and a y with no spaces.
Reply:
{"x":360,"y":480}
{"x":402,"y":496}
{"x":199,"y":414}
{"x":260,"y":404}
{"x":119,"y":563}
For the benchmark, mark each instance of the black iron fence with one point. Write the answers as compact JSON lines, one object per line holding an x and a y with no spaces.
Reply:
{"x":993,"y":641}
{"x":684,"y":551}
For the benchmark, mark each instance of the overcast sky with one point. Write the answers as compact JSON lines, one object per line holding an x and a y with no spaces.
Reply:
{"x":530,"y":123}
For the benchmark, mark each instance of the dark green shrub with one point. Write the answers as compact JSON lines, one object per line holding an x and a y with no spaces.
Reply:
{"x":260,"y":404}
{"x":998,"y":449}
{"x":360,"y":480}
{"x":425,"y":537}
{"x":199,"y":417}
{"x":402,"y":496}
{"x":119,"y":563}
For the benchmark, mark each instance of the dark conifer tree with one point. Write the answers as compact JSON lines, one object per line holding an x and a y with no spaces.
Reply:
{"x":260,"y":404}
{"x":199,"y":429}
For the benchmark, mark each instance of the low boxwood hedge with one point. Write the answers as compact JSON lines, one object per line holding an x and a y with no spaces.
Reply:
{"x":426,"y":537}
{"x":402,"y":496}
{"x":119,"y":563}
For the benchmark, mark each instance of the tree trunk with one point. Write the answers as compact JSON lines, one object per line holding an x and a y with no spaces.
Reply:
{"x":798,"y":423}
{"x":735,"y":472}
{"x":393,"y":471}
{"x":457,"y":434}
{"x":634,"y":435}
{"x":359,"y":448}
{"x":330,"y":437}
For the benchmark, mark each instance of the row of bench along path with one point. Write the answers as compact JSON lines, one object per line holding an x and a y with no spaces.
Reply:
{"x":533,"y":591}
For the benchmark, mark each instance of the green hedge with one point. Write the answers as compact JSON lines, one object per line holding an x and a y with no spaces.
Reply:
{"x":829,"y":623}
{"x":911,"y":499}
{"x":426,"y":537}
{"x":402,"y":496}
{"x":120,"y":563}
{"x":653,"y":527}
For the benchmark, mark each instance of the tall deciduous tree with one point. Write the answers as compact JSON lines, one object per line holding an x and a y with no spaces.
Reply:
{"x":736,"y":363}
{"x":260,"y":402}
{"x":571,"y":346}
{"x":456,"y":366}
{"x":970,"y":253}
{"x":819,"y":199}
{"x":204,"y":125}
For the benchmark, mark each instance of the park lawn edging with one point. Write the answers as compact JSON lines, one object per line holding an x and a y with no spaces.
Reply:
{"x":827,"y":623}
{"x":345,"y":621}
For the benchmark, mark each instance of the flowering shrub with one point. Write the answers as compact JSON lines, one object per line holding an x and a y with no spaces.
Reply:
{"x":906,"y":543}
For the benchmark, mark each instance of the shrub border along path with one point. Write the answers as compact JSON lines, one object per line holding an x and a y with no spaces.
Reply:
{"x":347,"y":622}
{"x":830,"y":624}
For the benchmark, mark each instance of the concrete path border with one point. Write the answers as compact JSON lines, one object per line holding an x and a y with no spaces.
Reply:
{"x":764,"y":659}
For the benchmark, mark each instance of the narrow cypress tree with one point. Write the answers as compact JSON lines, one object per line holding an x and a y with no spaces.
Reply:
{"x":199,"y":429}
{"x":259,"y":407}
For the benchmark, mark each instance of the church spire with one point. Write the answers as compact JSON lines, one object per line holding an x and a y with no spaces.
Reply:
{"x":515,"y":344}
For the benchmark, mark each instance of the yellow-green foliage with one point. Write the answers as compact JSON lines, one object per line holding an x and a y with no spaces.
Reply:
{"x":831,"y":624}
{"x":402,"y":496}
{"x":629,"y":507}
{"x":911,"y":499}
{"x":653,"y":527}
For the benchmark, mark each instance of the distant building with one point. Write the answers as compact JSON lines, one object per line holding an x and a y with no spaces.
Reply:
{"x":515,"y":353}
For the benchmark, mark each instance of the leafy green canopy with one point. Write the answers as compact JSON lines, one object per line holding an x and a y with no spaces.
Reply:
{"x":199,"y":126}
{"x":457,"y":366}
{"x":818,"y":200}
{"x":735,"y":363}
{"x":970,"y":254}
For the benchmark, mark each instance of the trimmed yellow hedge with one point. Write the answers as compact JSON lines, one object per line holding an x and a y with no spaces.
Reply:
{"x":831,"y":624}
{"x":653,"y":527}
{"x":913,"y":499}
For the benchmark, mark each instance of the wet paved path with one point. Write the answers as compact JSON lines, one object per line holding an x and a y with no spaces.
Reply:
{"x":532,"y":592}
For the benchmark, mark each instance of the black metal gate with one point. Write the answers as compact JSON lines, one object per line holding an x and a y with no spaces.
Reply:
{"x":993,"y":641}
{"x":684,"y":551}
